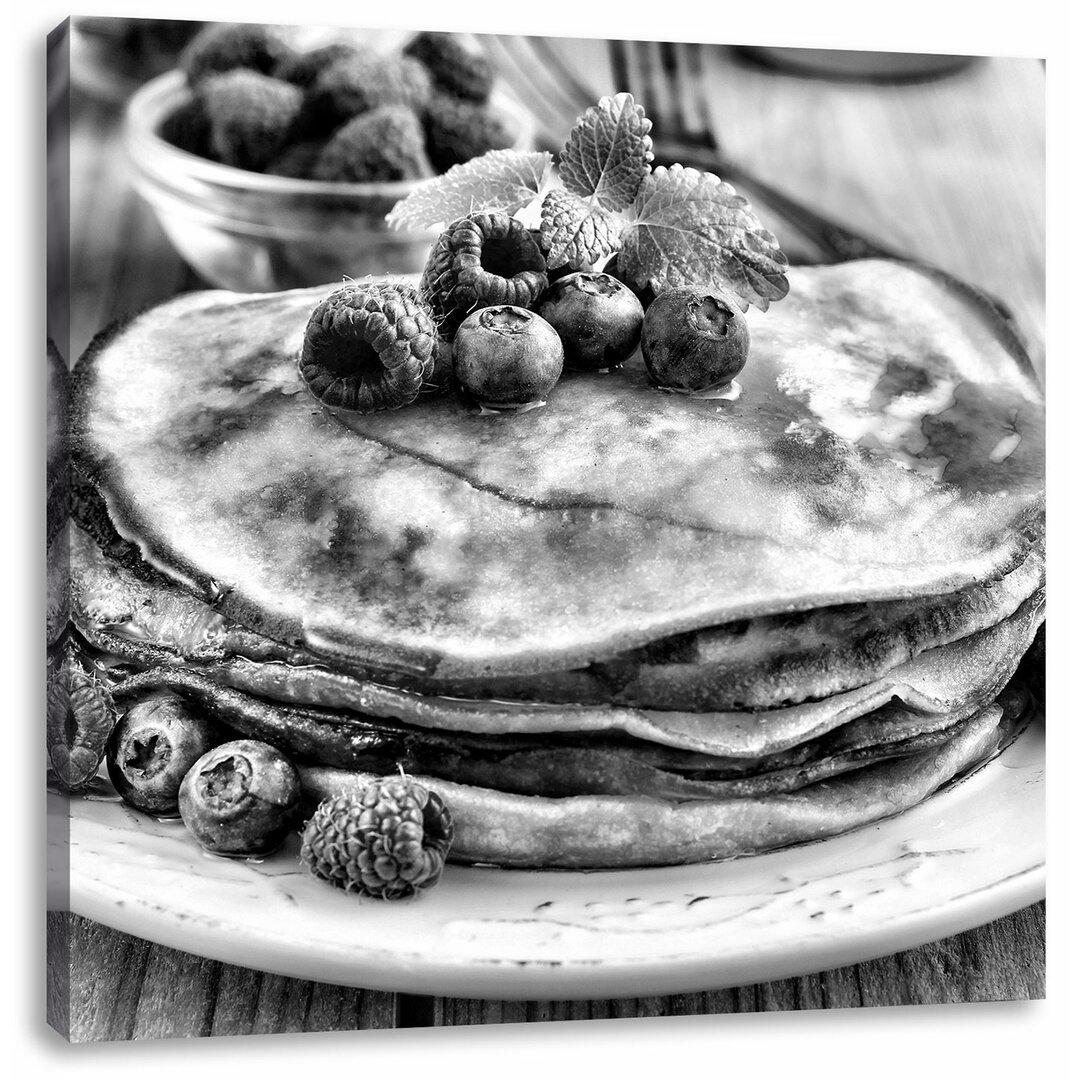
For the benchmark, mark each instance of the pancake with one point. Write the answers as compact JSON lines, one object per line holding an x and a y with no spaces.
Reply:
{"x":57,"y":493}
{"x":939,"y":680}
{"x":435,"y":541}
{"x":556,"y":765}
{"x":758,"y":663}
{"x":629,"y":628}
{"x":605,"y":832}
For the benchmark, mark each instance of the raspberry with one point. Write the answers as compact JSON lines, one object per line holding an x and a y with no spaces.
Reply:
{"x":221,"y":47}
{"x":388,"y":842}
{"x":188,"y":128}
{"x":382,"y":145}
{"x":481,"y":260}
{"x":457,"y":131}
{"x":368,"y":347}
{"x":80,"y":716}
{"x":416,"y":82}
{"x":251,"y":116}
{"x":296,"y":161}
{"x":356,"y":84}
{"x":454,"y":69}
{"x":304,"y":68}
{"x":442,"y":371}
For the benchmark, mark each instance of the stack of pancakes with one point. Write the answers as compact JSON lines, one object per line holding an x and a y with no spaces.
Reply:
{"x":628,"y":628}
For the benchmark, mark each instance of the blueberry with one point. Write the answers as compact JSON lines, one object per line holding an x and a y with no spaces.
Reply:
{"x":151,"y":748}
{"x":241,"y":798}
{"x":644,"y":294}
{"x":597,"y":317}
{"x":507,"y":356}
{"x":694,"y":339}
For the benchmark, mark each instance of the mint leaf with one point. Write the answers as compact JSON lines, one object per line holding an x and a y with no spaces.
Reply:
{"x":692,"y":228}
{"x":498,"y":180}
{"x":608,"y":152}
{"x":574,"y":232}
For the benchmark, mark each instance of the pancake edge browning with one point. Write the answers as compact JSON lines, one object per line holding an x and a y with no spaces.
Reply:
{"x":607,"y":832}
{"x":938,"y":681}
{"x":132,"y":611}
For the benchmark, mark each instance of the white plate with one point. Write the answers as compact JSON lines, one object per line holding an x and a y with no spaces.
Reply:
{"x":969,"y":854}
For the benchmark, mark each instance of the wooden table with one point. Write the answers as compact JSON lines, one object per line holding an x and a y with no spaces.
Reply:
{"x":950,"y":171}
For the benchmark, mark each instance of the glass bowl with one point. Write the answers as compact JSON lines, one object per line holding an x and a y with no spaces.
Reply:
{"x":112,"y":57}
{"x":251,"y":232}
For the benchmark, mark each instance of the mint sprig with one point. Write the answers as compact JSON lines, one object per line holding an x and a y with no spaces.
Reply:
{"x":574,"y":232}
{"x":670,"y":226}
{"x":692,"y":228}
{"x":608,"y":153}
{"x":506,"y":180}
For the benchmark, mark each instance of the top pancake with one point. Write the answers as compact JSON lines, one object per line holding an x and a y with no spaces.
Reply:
{"x":885,"y":444}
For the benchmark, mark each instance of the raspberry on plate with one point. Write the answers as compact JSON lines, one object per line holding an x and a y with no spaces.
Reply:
{"x":388,"y":842}
{"x":80,"y":716}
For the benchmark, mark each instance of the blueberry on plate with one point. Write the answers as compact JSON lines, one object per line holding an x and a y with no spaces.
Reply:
{"x":597,"y":317}
{"x":151,"y":749}
{"x":507,"y":357}
{"x":241,"y":798}
{"x":694,"y":339}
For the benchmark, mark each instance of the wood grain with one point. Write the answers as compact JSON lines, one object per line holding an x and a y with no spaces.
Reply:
{"x":973,"y":966}
{"x":124,"y":988}
{"x":952,"y":171}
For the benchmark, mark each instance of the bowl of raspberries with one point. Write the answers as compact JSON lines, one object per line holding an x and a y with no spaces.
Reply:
{"x":271,"y":160}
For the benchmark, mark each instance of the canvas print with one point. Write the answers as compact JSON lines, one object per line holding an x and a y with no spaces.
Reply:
{"x":538,"y":528}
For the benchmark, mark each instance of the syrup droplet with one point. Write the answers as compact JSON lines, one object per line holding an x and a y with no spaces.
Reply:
{"x":255,"y":860}
{"x":488,"y":409}
{"x":731,"y":391}
{"x":93,"y":796}
{"x":728,"y":392}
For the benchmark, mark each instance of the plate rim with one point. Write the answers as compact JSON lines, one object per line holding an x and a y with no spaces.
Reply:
{"x":506,"y":977}
{"x":698,"y":975}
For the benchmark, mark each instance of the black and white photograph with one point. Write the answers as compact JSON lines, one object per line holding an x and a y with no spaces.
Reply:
{"x":540,"y":528}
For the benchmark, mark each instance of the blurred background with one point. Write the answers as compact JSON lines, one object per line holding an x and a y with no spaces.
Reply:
{"x":938,"y":158}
